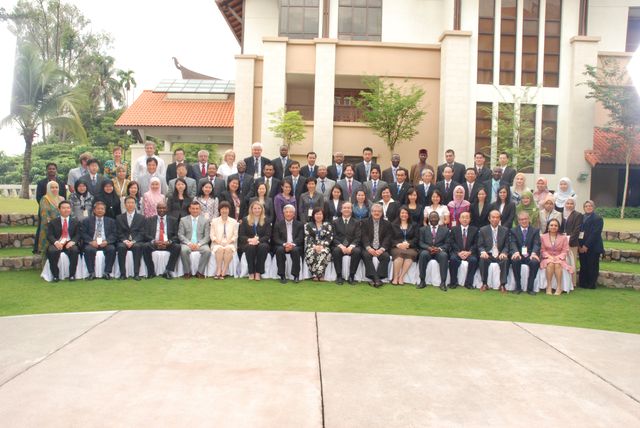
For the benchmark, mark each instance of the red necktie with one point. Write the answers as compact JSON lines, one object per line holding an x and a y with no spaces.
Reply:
{"x":65,"y":229}
{"x":161,"y":233}
{"x":203,"y":171}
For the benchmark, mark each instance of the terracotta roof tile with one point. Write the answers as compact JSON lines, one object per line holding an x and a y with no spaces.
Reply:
{"x":154,"y":109}
{"x":606,"y":151}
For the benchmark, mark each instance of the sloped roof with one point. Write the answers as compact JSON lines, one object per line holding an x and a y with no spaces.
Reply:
{"x":607,"y":151}
{"x":157,"y":109}
{"x":232,"y":11}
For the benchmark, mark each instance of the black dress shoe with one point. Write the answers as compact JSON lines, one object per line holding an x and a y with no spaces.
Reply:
{"x":453,"y":286}
{"x":167,"y":275}
{"x":283,"y":280}
{"x":379,"y":283}
{"x":55,"y":279}
{"x":531,"y":293}
{"x":123,"y":277}
{"x":106,"y":276}
{"x":517,"y":291}
{"x":91,"y":277}
{"x":296,"y":279}
{"x":151,"y":276}
{"x":421,"y":285}
{"x":352,"y":280}
{"x":468,"y":286}
{"x":72,"y":278}
{"x":339,"y":280}
{"x":443,"y":287}
{"x":137,"y":278}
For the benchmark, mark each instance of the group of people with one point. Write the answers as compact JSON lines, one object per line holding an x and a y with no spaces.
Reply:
{"x":319,"y":213}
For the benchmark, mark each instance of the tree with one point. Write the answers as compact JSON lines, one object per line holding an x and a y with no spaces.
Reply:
{"x":40,"y":97}
{"x":127,"y":81}
{"x":287,"y":125}
{"x":392,"y":112}
{"x":610,"y":85}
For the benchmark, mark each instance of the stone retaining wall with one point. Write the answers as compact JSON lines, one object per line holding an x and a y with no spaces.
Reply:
{"x":16,"y":240}
{"x":632,"y":237}
{"x":21,"y":263}
{"x":18,"y":220}
{"x":619,"y":280}
{"x":621,"y":256}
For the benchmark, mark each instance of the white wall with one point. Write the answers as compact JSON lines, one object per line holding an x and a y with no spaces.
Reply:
{"x":415,"y":21}
{"x":261,"y":19}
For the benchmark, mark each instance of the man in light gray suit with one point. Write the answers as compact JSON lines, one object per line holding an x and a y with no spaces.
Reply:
{"x":324,"y":184}
{"x":192,"y":186}
{"x":374,"y":187}
{"x":194,"y":240}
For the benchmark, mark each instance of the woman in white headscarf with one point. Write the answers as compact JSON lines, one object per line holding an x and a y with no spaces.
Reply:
{"x":564,"y":192}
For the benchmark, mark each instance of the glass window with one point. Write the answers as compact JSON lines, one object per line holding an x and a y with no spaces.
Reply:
{"x":360,"y":20}
{"x":508,"y":42}
{"x":486,"y":24}
{"x":633,"y":29}
{"x":549,"y":133}
{"x":531,"y":18}
{"x":551,"y":75}
{"x":483,"y":127}
{"x":299,"y":18}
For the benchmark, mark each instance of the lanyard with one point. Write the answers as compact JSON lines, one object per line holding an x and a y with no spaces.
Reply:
{"x":255,"y":229}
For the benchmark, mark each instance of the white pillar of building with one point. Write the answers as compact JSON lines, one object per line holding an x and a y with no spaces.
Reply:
{"x":584,"y":51}
{"x":274,"y":90}
{"x":323,"y":104}
{"x":455,"y":78}
{"x":166,"y":154}
{"x":243,"y":105}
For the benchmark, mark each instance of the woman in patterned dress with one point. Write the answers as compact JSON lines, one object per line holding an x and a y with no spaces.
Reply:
{"x":318,"y":236}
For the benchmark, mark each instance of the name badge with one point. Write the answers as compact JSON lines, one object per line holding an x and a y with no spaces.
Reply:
{"x":84,"y":212}
{"x":581,"y":236}
{"x":494,"y":251}
{"x":309,"y":212}
{"x":454,"y":223}
{"x":99,"y":241}
{"x":130,"y":238}
{"x":525,"y":251}
{"x":206,"y":216}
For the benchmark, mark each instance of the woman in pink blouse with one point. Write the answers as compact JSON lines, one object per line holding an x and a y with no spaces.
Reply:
{"x":554,"y":250}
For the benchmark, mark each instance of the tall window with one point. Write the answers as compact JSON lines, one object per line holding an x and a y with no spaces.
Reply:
{"x":483,"y":128}
{"x":531,"y":18}
{"x":299,"y":18}
{"x":360,"y":20}
{"x":508,"y":42}
{"x":633,"y":29}
{"x":486,"y":29}
{"x":552,"y":24}
{"x":549,"y":135}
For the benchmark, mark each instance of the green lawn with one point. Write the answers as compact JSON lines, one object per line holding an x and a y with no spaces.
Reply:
{"x":18,"y":229}
{"x":617,"y":245}
{"x":15,"y":252}
{"x":626,"y":225}
{"x":25,"y":293}
{"x":18,"y":206}
{"x":620,"y":267}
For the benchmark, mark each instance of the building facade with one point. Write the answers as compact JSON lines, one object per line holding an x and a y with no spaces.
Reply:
{"x":468,"y":55}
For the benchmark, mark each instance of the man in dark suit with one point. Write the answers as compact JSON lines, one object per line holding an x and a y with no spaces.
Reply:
{"x":349,"y":184}
{"x":161,"y":234}
{"x":212,"y":177}
{"x":99,"y":234}
{"x":93,"y":179}
{"x":200,"y":169}
{"x":376,"y":234}
{"x":389,"y":174}
{"x":493,"y":184}
{"x":298,"y":181}
{"x":346,"y":242}
{"x":310,"y":170}
{"x":52,"y":175}
{"x":447,"y":185}
{"x":374,"y":187}
{"x":471,"y":186}
{"x":63,"y":235}
{"x":256,"y":162}
{"x":335,"y":171}
{"x":363,"y":169}
{"x":400,"y":188}
{"x":273,"y":184}
{"x":172,"y":173}
{"x":525,"y":250}
{"x":457,"y":167}
{"x":483,"y":172}
{"x":434,"y":245}
{"x":288,"y":238}
{"x":246,"y":180}
{"x":425,"y":188}
{"x":130,"y":233}
{"x":282,"y":163}
{"x":508,"y":173}
{"x":493,"y":246}
{"x":463,"y":247}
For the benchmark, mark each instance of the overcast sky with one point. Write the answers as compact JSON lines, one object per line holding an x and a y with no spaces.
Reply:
{"x":145,"y":37}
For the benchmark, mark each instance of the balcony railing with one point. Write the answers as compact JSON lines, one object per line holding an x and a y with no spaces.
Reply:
{"x":305,"y":110}
{"x":340,"y":113}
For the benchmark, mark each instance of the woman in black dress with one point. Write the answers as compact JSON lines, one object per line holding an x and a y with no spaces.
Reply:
{"x":110,"y":198}
{"x":480,"y":210}
{"x":179,"y":202}
{"x":505,"y":206}
{"x":403,"y":245}
{"x":333,"y":206}
{"x":416,"y":210}
{"x":590,"y":246}
{"x":253,"y":240}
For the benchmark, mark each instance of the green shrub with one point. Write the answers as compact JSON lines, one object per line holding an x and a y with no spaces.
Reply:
{"x":614,"y":212}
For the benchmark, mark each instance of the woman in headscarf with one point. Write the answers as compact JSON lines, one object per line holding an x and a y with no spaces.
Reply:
{"x":457,"y":206}
{"x":110,"y":198}
{"x":527,"y":204}
{"x":564,"y":192}
{"x":590,"y":246}
{"x":519,"y":187}
{"x":541,"y":193}
{"x":47,"y":212}
{"x":548,"y":213}
{"x":81,"y":201}
{"x":571,"y":222}
{"x":153,"y":197}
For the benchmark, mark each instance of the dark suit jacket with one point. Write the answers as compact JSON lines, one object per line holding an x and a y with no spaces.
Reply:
{"x":332,"y":172}
{"x":196,"y":172}
{"x":392,"y":211}
{"x":280,"y":171}
{"x":301,"y":186}
{"x":368,"y":188}
{"x":250,"y":164}
{"x":346,"y":234}
{"x":41,"y":188}
{"x":480,"y":218}
{"x":172,"y":172}
{"x":305,"y":172}
{"x":456,"y":243}
{"x":592,"y":228}
{"x":426,"y":240}
{"x":246,"y":184}
{"x":361,"y":172}
{"x":532,"y":242}
{"x":424,"y":199}
{"x":178,"y":210}
{"x":571,"y":226}
{"x":385,"y":233}
{"x":226,"y":196}
{"x":399,"y":197}
{"x":413,"y":232}
{"x":483,"y":174}
{"x":172,"y":229}
{"x":245,"y":231}
{"x":387,"y":175}
{"x":88,"y":229}
{"x":458,"y":172}
{"x":136,"y":231}
{"x":447,"y":196}
{"x":269,"y":212}
{"x":330,"y":210}
{"x":218,"y":185}
{"x":94,"y":190}
{"x":279,"y":236}
{"x":54,"y":230}
{"x":273,"y":191}
{"x":508,"y":175}
{"x":473,"y":196}
{"x":508,"y":213}
{"x":355,"y":186}
{"x":485,"y":240}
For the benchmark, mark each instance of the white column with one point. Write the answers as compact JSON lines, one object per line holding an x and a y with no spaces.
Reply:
{"x":137,"y":150}
{"x":166,"y":154}
{"x":455,"y":94}
{"x":324,"y":99}
{"x":274,"y":90}
{"x":243,"y":105}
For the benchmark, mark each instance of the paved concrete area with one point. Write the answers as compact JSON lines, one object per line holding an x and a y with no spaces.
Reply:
{"x":286,"y":369}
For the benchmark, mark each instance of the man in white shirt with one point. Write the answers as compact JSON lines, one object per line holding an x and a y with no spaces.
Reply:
{"x":141,"y":163}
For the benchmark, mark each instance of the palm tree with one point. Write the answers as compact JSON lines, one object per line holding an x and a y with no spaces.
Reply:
{"x":127,"y":81}
{"x":40,"y":98}
{"x":106,"y":87}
